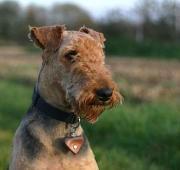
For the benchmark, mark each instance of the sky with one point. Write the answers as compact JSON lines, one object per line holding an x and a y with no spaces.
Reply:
{"x":95,"y":7}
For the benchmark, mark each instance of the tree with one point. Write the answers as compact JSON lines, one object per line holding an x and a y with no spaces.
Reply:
{"x":146,"y":11}
{"x":115,"y":24}
{"x":70,"y":15}
{"x":168,"y":25}
{"x":9,"y":15}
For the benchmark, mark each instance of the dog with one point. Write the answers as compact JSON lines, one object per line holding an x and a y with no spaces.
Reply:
{"x":73,"y":84}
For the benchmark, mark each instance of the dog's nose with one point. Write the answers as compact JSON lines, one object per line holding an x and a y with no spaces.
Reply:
{"x":104,"y":94}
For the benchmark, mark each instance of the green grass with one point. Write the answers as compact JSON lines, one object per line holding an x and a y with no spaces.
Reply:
{"x":138,"y":137}
{"x":130,"y":137}
{"x":14,"y":100}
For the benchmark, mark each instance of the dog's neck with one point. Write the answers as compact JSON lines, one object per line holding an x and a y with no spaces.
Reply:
{"x":51,"y":90}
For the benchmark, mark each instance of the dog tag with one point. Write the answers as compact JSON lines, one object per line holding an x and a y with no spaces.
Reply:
{"x":74,"y":143}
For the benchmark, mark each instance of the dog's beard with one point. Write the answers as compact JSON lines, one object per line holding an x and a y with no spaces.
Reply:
{"x":90,"y":108}
{"x":90,"y":113}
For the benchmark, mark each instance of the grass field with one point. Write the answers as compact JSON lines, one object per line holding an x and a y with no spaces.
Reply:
{"x":142,"y":134}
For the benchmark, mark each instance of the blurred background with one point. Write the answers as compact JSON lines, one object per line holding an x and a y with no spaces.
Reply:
{"x":143,"y":51}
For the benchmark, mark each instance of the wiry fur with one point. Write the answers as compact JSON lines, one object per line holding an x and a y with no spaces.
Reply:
{"x":71,"y":86}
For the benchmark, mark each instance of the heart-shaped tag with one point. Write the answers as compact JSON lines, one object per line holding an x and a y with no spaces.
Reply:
{"x":74,"y":143}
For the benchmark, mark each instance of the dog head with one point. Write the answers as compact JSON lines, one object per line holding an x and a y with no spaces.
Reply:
{"x":74,"y":69}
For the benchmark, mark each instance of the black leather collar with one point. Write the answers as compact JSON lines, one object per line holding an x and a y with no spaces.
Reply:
{"x":46,"y":109}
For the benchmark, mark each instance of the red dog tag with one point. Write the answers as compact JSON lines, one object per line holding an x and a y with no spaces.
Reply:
{"x":74,"y":143}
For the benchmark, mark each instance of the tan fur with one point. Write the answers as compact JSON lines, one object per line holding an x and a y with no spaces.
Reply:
{"x":68,"y":85}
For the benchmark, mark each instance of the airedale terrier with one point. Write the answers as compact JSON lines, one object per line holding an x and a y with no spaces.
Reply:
{"x":73,"y":83}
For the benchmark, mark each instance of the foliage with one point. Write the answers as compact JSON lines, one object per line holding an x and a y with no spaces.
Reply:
{"x":151,"y":28}
{"x":148,"y":49}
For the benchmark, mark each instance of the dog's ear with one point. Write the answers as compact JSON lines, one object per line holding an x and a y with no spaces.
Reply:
{"x":96,"y":35}
{"x":47,"y":37}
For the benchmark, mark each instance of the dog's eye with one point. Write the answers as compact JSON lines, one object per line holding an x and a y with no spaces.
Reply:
{"x":71,"y":55}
